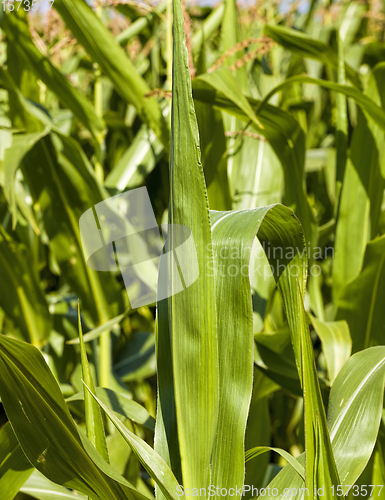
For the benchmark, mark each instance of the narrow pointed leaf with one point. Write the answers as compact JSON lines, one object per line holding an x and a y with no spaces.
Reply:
{"x":187,"y":350}
{"x":151,"y":461}
{"x":94,"y":421}
{"x":120,"y":404}
{"x":259,"y":450}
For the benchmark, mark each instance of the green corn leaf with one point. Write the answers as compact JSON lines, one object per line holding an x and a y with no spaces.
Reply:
{"x":15,"y":469}
{"x":375,"y":112}
{"x":361,"y":301}
{"x":21,"y":144}
{"x":358,"y":216}
{"x":233,"y":237}
{"x":342,"y":121}
{"x":137,"y":162}
{"x":120,"y":404}
{"x":137,"y":359}
{"x":352,"y":231}
{"x":151,"y":461}
{"x":213,"y":148}
{"x":336,"y":344}
{"x":18,"y":34}
{"x":66,"y":178}
{"x":38,"y":486}
{"x":93,"y":416}
{"x":305,"y":46}
{"x":243,"y":225}
{"x":25,"y":79}
{"x":259,"y":450}
{"x":355,"y":408}
{"x":209,"y":26}
{"x":279,"y":367}
{"x":258,"y":430}
{"x":187,"y":340}
{"x":220,"y":89}
{"x":21,"y":297}
{"x":65,"y":187}
{"x":32,"y":112}
{"x":376,"y":91}
{"x":140,"y":24}
{"x":95,"y":333}
{"x":104,"y":49}
{"x":45,"y":429}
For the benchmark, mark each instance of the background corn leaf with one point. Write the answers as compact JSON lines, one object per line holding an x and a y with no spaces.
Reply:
{"x":63,"y":179}
{"x":21,"y":297}
{"x":17,"y":31}
{"x":305,"y":46}
{"x":140,"y":24}
{"x":15,"y":469}
{"x":119,"y":403}
{"x":259,"y":450}
{"x":21,"y":144}
{"x":38,"y":486}
{"x":285,"y":136}
{"x":376,"y":113}
{"x":355,"y":409}
{"x":336,"y":344}
{"x":104,"y":49}
{"x":209,"y":26}
{"x":137,"y":162}
{"x":360,"y":301}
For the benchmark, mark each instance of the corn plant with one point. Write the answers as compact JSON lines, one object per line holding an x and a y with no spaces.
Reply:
{"x":265,"y":139}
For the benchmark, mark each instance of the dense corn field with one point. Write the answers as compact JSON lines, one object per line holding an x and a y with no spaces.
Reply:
{"x":192,"y":250}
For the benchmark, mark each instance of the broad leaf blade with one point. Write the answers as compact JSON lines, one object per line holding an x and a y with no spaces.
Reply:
{"x":187,"y":340}
{"x":336,"y":344}
{"x":355,"y":410}
{"x":43,"y":425}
